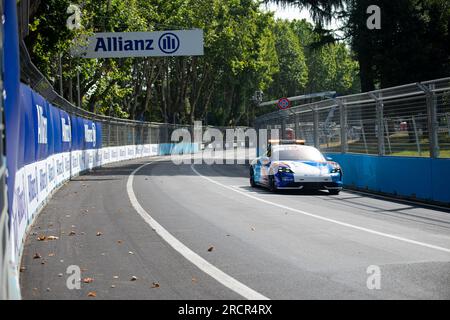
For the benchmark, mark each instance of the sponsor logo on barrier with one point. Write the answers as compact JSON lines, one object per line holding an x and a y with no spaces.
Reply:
{"x":19,"y":211}
{"x":32,"y":188}
{"x":59,"y":167}
{"x":67,"y":164}
{"x":51,"y":172}
{"x":42,"y":180}
{"x":42,"y":125}
{"x":66,"y":130}
{"x":90,"y":134}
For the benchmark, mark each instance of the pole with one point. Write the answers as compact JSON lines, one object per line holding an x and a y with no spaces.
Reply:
{"x":60,"y":75}
{"x":78,"y":87}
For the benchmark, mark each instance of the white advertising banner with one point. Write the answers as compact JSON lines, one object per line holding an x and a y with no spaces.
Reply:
{"x":142,"y":44}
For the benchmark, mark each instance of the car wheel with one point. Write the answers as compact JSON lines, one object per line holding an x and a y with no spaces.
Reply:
{"x":334,"y":192}
{"x":252,"y":178}
{"x":272,"y":185}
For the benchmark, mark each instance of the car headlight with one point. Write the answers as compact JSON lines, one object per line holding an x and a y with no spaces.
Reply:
{"x":285,"y":170}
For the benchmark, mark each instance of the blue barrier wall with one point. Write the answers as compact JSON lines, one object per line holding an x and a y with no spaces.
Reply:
{"x":420,"y":178}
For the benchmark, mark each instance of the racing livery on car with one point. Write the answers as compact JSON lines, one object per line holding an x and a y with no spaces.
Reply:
{"x":289,"y":164}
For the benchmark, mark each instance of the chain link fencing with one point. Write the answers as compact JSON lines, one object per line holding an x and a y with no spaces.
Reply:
{"x":411,"y":120}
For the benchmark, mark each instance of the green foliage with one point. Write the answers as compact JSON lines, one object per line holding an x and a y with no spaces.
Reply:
{"x":245,"y":50}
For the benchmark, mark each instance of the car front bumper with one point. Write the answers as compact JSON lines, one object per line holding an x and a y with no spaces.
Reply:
{"x":293,"y":181}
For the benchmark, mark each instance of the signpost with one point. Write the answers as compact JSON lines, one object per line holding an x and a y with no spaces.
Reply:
{"x":142,"y":44}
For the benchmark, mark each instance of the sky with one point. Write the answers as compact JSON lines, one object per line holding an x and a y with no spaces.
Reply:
{"x":291,"y":13}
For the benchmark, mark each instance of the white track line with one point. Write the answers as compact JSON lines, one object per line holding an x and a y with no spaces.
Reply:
{"x":382,"y":234}
{"x":190,"y":255}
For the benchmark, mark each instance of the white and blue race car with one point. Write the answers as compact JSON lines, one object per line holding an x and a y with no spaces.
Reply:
{"x":289,"y":164}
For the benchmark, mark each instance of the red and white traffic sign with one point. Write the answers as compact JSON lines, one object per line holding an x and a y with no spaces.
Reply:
{"x":284,"y":104}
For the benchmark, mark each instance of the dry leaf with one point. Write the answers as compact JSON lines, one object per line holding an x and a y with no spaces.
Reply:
{"x":113,"y":286}
{"x":211,"y":248}
{"x":130,"y":252}
{"x":51,"y":254}
{"x":22,"y":269}
{"x":119,"y":241}
{"x":133,"y":278}
{"x":88,"y":280}
{"x":194,"y":280}
{"x":52,"y":238}
{"x":37,"y":256}
{"x":72,"y":233}
{"x":155,"y":285}
{"x":60,"y":275}
{"x":92,"y":294}
{"x":41,"y":238}
{"x":99,"y":234}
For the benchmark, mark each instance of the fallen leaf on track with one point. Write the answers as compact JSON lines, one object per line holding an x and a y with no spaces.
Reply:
{"x":99,"y":234}
{"x":210,"y":248}
{"x":52,"y":238}
{"x":72,"y":233}
{"x":37,"y":256}
{"x":155,"y":285}
{"x":92,"y":294}
{"x":22,"y":269}
{"x":51,"y":254}
{"x":88,"y":280}
{"x":41,"y":238}
{"x":133,"y":278}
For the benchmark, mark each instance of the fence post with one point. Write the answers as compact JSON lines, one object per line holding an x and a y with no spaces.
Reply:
{"x":379,"y":123}
{"x":296,"y":125}
{"x":433,"y":124}
{"x":283,"y":126}
{"x":343,"y":120}
{"x":316,"y":127}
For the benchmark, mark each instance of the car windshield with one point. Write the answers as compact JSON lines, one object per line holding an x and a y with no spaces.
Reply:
{"x":299,"y":153}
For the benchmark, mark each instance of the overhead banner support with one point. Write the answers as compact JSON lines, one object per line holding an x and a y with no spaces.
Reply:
{"x":142,"y":44}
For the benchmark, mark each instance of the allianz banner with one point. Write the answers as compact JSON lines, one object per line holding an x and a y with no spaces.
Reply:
{"x":142,"y":44}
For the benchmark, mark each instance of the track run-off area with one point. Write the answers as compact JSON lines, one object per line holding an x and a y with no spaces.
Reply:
{"x":151,"y":229}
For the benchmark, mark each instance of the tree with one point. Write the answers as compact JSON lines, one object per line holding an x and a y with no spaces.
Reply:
{"x":411,"y":46}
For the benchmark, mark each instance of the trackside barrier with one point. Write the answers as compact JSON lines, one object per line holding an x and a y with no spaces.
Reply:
{"x":423,"y":179}
{"x":49,"y":147}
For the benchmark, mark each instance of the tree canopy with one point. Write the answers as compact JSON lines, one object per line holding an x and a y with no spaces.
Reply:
{"x":246,"y":50}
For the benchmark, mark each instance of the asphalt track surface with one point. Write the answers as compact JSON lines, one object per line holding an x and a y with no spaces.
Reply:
{"x":201,"y":232}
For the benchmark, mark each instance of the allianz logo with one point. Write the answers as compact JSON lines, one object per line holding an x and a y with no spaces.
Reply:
{"x":42,"y":125}
{"x":66,"y":130}
{"x":118,"y":44}
{"x":89,"y":133}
